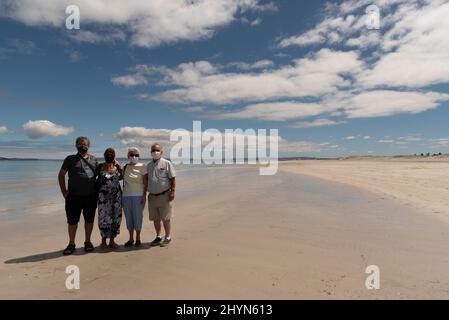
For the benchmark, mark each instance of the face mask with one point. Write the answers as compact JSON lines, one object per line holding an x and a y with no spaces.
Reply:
{"x":109,"y":159}
{"x":82,"y":149}
{"x":156,"y":155}
{"x":133,"y":160}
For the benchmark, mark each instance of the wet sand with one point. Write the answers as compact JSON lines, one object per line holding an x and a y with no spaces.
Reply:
{"x":238,"y":235}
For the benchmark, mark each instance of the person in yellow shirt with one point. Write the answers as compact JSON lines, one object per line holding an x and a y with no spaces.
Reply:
{"x":135,"y":183}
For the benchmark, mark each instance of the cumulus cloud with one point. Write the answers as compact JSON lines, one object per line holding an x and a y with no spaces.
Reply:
{"x":4,"y":129}
{"x":40,"y":128}
{"x":149,"y":23}
{"x":278,"y":111}
{"x":316,"y":123}
{"x":130,"y":80}
{"x":411,"y":49}
{"x":201,"y":82}
{"x":387,"y":103}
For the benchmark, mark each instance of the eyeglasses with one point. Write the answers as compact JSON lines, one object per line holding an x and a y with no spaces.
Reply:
{"x":134,"y":155}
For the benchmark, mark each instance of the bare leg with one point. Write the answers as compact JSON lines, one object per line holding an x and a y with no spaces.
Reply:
{"x":88,"y":227}
{"x":112,"y":243}
{"x":103,"y":242}
{"x":131,"y":234}
{"x":72,"y":233}
{"x":157,"y":226}
{"x":137,"y":235}
{"x":167,"y":228}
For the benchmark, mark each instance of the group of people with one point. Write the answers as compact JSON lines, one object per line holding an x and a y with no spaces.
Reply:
{"x":93,"y":185}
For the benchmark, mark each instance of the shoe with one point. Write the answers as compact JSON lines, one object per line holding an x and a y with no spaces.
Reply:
{"x":166,"y":242}
{"x":138,"y":243}
{"x":69,"y":250}
{"x":129,"y":243}
{"x":157,"y":241}
{"x":88,"y":246}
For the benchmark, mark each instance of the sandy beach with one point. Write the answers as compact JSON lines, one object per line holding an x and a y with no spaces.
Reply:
{"x":415,"y":182}
{"x":301,"y":234}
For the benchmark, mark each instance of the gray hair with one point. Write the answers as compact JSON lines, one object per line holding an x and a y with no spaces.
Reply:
{"x":133,"y":149}
{"x":79,"y":139}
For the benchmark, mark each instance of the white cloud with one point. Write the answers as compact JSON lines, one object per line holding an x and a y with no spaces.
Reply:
{"x":130,"y":80}
{"x":111,"y":36}
{"x":417,"y":50}
{"x":374,"y":73}
{"x":202,"y":82}
{"x":150,"y":23}
{"x":261,"y":64}
{"x":40,"y":128}
{"x":316,"y":123}
{"x":386,"y":103}
{"x":4,"y":129}
{"x":278,"y":111}
{"x":142,"y":136}
{"x":194,"y":109}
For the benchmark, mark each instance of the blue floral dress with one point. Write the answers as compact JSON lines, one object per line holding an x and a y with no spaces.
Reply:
{"x":109,"y":203}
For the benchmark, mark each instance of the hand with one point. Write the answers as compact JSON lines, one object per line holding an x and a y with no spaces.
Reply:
{"x":65,"y":194}
{"x":171,"y":196}
{"x":143,"y":200}
{"x":116,"y":163}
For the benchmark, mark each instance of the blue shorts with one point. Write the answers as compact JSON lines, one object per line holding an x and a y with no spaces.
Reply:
{"x":133,"y":212}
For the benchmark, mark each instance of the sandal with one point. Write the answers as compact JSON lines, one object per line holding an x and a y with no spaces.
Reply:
{"x":113,"y":245}
{"x":138,"y":243}
{"x":88,"y":246}
{"x":69,"y":250}
{"x":129,"y":243}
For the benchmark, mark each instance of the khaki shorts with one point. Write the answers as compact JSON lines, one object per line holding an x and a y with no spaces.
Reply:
{"x":159,"y":207}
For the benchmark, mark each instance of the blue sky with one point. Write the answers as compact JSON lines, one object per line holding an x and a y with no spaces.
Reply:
{"x":312,"y":69}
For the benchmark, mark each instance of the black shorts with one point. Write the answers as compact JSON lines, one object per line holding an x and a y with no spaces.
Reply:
{"x":75,"y":204}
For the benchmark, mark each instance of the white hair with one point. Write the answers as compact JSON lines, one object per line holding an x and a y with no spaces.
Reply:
{"x":133,"y":149}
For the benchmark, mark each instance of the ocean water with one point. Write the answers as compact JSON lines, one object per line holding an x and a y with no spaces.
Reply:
{"x":31,"y":186}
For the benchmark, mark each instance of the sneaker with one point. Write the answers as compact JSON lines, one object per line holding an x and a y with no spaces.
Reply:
{"x":157,"y":241}
{"x":166,"y":242}
{"x":129,"y":243}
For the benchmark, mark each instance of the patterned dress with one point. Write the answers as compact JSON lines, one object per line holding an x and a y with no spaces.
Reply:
{"x":109,"y":203}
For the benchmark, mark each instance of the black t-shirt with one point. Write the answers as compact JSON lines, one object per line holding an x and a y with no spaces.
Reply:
{"x":81,"y":175}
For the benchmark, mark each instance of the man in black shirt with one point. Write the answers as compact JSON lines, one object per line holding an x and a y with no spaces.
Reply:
{"x":81,"y":194}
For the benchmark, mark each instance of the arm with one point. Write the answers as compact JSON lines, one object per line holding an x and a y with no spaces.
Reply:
{"x":61,"y":180}
{"x":171,"y":195}
{"x":120,"y":169}
{"x":145,"y":188}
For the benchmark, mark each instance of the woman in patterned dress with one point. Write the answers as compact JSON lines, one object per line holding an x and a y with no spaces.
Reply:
{"x":109,"y":198}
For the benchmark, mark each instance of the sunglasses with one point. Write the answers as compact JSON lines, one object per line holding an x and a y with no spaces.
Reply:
{"x":134,"y":155}
{"x":155,"y":150}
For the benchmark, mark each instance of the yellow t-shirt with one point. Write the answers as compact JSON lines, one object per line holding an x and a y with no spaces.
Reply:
{"x":133,"y":179}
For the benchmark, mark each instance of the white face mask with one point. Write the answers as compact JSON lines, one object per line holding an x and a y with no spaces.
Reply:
{"x":156,"y":155}
{"x":133,"y":160}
